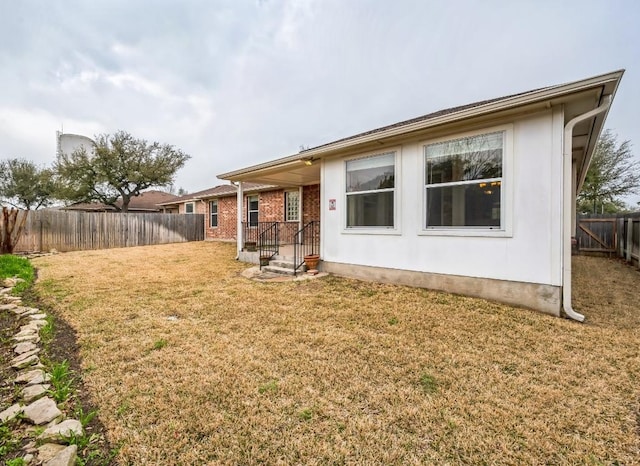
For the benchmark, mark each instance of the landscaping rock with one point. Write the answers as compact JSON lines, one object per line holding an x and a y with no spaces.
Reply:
{"x":10,"y":412}
{"x":58,"y":432}
{"x":10,"y":282}
{"x":48,"y":451}
{"x":24,"y":347}
{"x":26,"y":354}
{"x":30,"y":447}
{"x":25,"y":377}
{"x":34,"y":324}
{"x":27,"y":311}
{"x":42,"y":411}
{"x":33,"y":377}
{"x":37,"y":317}
{"x":26,"y":332}
{"x":27,"y":328}
{"x":25,"y":362}
{"x":32,"y":337}
{"x":66,"y":457}
{"x":33,"y":392}
{"x":8,"y":307}
{"x":28,"y":458}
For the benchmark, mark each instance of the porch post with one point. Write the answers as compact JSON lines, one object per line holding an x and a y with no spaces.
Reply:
{"x":239,"y":216}
{"x":300,"y":208}
{"x":574,"y":176}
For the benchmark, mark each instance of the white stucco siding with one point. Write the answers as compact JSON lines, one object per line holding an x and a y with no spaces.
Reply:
{"x":526,"y":253}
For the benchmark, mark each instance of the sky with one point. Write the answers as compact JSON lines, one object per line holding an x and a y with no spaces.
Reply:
{"x":234,"y":83}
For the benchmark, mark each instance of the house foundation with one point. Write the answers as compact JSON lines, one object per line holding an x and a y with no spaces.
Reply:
{"x":539,"y":297}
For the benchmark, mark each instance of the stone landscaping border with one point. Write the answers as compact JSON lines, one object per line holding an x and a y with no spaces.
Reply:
{"x":51,"y":447}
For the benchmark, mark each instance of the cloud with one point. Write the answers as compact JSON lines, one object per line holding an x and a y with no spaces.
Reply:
{"x":30,"y":133}
{"x":236,"y":83}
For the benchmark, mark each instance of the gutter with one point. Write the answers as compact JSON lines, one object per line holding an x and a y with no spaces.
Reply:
{"x":567,"y":206}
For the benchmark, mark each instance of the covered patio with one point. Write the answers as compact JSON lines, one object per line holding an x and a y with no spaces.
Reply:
{"x":292,"y":231}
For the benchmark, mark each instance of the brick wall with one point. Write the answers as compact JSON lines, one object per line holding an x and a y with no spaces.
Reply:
{"x":271,"y":209}
{"x":271,"y":206}
{"x":199,"y":207}
{"x":226,"y":229}
{"x":310,"y":203}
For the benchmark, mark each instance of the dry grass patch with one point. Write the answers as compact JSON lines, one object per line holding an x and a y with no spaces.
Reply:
{"x":193,"y":364}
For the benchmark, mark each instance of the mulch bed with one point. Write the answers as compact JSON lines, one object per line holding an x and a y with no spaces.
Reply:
{"x":62,"y":347}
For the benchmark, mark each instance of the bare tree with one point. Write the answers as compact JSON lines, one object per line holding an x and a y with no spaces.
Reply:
{"x":11,"y":227}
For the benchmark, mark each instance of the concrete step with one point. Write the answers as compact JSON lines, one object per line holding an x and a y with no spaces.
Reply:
{"x":280,"y":270}
{"x":285,"y":264}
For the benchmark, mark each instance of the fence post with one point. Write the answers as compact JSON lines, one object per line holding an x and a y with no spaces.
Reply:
{"x":638,"y":244}
{"x":620,"y":244}
{"x":629,"y":239}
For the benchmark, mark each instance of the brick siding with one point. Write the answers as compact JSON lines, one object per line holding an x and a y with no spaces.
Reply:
{"x":199,"y":207}
{"x":226,"y":229}
{"x":310,"y":203}
{"x":270,"y":205}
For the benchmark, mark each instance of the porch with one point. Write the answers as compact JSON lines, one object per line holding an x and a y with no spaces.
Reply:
{"x":284,"y":242}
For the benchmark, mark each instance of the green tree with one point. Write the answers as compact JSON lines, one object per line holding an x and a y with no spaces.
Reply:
{"x":118,"y":168}
{"x":25,"y":185}
{"x":613,"y":174}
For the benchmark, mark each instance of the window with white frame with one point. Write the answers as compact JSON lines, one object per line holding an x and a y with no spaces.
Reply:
{"x":252,"y":210}
{"x":370,"y":191}
{"x":291,"y":206}
{"x":463,"y":182}
{"x":213,"y":213}
{"x":189,"y":208}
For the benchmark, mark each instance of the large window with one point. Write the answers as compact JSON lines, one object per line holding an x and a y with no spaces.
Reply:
{"x":213,"y":212}
{"x":291,"y":206}
{"x":370,"y":191}
{"x":463,"y":182}
{"x":252,"y":210}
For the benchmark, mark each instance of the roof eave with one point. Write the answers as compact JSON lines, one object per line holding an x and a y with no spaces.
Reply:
{"x":595,"y":136}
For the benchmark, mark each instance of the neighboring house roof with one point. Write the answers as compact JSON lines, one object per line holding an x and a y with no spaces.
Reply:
{"x":88,"y":207}
{"x":222,"y":190}
{"x":595,"y":88}
{"x":147,"y":201}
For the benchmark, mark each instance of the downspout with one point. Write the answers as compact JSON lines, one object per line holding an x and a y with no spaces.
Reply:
{"x":567,"y":207}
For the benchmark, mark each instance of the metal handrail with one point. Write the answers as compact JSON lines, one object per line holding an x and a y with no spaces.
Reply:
{"x":268,"y":243}
{"x":306,"y":242}
{"x":251,"y":232}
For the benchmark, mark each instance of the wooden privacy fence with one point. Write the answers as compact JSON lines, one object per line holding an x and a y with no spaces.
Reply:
{"x":597,"y":234}
{"x":610,"y":234}
{"x":74,"y":231}
{"x":629,"y":239}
